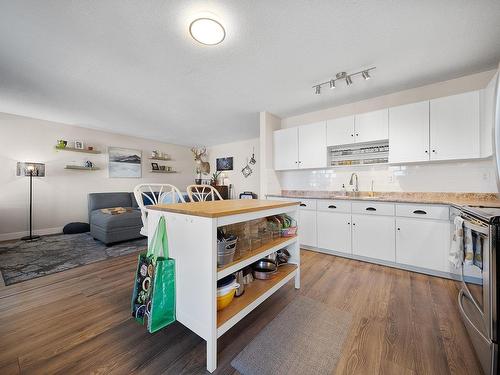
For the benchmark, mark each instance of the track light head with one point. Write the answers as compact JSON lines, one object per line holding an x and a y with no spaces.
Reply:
{"x":318,"y":90}
{"x":366,"y":75}
{"x":348,"y":80}
{"x":332,"y":84}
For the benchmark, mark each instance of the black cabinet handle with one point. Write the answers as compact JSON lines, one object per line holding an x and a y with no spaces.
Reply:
{"x":420,"y":212}
{"x":371,"y":209}
{"x":353,"y":223}
{"x":303,"y":205}
{"x":399,"y":228}
{"x":357,"y":135}
{"x":426,"y":151}
{"x":348,"y":223}
{"x":332,"y":206}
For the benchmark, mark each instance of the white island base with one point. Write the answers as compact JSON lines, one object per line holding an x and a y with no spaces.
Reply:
{"x":192,"y":239}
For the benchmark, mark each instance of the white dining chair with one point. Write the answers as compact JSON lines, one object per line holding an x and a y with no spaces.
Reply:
{"x":201,"y":193}
{"x":151,"y":194}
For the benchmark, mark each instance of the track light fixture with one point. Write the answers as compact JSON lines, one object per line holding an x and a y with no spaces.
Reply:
{"x":343,"y":76}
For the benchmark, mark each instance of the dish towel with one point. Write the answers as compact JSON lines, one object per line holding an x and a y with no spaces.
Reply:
{"x":457,"y":243}
{"x":468,"y":247}
{"x":478,"y":251}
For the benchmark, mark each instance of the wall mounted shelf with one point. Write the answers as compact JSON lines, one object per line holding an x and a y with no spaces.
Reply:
{"x":81,"y":168}
{"x":158,"y":158}
{"x":160,"y":171}
{"x":78,"y":150}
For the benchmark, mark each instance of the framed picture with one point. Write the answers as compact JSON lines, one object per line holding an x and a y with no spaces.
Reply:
{"x":124,"y":162}
{"x":79,"y":145}
{"x":224,"y":164}
{"x":155,"y":166}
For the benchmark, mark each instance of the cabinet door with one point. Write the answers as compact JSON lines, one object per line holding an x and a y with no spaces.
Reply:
{"x":312,"y":145}
{"x":286,"y":149}
{"x":409,"y":133}
{"x":373,"y":236}
{"x":334,"y":231}
{"x":423,"y":243}
{"x":340,"y":131}
{"x":372,"y":126}
{"x":454,"y":127}
{"x":307,"y":228}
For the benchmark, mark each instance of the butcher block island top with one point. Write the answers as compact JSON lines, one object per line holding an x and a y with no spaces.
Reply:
{"x":221,"y":208}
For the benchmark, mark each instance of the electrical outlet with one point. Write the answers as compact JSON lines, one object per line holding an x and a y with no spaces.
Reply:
{"x":486,"y":176}
{"x":390,"y":179}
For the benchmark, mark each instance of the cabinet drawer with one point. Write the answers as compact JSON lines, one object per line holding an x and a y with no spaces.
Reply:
{"x":334,"y":206}
{"x":373,"y":208}
{"x":307,"y":204}
{"x":423,"y":211}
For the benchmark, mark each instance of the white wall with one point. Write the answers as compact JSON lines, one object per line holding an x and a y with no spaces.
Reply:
{"x":470,"y":176}
{"x":269,"y":181}
{"x":61,"y":196}
{"x":240,"y":151}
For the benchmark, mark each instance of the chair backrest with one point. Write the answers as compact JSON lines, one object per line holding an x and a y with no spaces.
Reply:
{"x":151,"y":194}
{"x":201,"y":193}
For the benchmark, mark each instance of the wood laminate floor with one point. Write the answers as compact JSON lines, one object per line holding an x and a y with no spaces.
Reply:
{"x":78,"y":321}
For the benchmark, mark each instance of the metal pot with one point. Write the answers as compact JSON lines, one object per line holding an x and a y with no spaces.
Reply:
{"x":264,"y":269}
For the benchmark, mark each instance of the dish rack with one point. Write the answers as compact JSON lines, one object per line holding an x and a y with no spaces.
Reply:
{"x":359,"y":154}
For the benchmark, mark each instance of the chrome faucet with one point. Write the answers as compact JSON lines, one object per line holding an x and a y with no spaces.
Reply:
{"x":351,"y":181}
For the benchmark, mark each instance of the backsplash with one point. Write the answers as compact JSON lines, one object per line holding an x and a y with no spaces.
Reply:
{"x":471,"y":176}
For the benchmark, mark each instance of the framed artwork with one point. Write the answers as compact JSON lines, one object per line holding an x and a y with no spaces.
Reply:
{"x":155,"y":167}
{"x":79,"y":145}
{"x":124,"y":162}
{"x":224,"y":164}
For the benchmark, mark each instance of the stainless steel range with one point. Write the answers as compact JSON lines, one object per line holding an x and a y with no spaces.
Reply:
{"x":479,"y":294}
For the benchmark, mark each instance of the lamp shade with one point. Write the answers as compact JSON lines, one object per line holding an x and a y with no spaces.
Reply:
{"x":36,"y":169}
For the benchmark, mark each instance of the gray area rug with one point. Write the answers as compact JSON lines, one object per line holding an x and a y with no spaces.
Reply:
{"x":305,"y":338}
{"x":20,"y":261}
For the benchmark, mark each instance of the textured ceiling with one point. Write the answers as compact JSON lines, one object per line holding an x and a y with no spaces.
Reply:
{"x":131,"y":67}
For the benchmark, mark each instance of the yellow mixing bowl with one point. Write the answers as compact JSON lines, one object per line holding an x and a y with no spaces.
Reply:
{"x":225,"y":300}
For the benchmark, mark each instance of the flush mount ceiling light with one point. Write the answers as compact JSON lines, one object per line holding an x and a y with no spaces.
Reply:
{"x":343,"y":76}
{"x":207,"y":31}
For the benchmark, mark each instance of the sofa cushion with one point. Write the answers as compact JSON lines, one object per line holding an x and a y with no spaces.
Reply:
{"x":113,"y":222}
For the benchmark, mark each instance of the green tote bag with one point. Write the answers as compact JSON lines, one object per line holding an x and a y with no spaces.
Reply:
{"x":154,"y":289}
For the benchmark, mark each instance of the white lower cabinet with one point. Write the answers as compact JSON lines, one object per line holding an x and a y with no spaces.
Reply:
{"x":307,"y":227}
{"x":334,"y":231}
{"x":423,"y":243}
{"x":373,"y":236}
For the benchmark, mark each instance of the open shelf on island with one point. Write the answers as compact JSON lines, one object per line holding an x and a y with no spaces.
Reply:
{"x":85,"y":151}
{"x":81,"y":168}
{"x":255,"y":292}
{"x":254,"y":255}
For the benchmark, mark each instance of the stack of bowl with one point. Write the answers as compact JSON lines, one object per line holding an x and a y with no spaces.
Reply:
{"x":226,"y":288}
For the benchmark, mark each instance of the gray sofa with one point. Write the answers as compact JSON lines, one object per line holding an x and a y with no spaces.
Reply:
{"x":114,"y":228}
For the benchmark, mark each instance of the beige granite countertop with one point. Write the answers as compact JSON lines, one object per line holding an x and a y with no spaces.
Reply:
{"x":455,"y":199}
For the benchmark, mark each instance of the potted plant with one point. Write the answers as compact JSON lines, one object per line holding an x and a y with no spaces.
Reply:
{"x":215,"y":178}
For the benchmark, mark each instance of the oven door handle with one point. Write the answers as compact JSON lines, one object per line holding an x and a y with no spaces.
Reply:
{"x":464,"y":314}
{"x":475,"y":227}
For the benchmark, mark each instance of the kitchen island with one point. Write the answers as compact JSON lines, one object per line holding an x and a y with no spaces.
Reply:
{"x":192,"y":238}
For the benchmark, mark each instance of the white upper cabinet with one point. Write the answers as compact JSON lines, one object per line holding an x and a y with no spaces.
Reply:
{"x":286,"y":149}
{"x":454,"y":127}
{"x":312,"y":145}
{"x":409,"y":133}
{"x":300,"y":147}
{"x":372,"y":126}
{"x":487,"y":100}
{"x":340,"y":131}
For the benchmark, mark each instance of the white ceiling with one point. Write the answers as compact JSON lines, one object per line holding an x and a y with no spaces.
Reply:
{"x":131,"y":67}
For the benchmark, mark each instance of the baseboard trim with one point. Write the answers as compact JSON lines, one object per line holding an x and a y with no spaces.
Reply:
{"x":40,"y":232}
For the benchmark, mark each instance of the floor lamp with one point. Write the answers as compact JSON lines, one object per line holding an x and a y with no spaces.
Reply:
{"x":31,"y":170}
